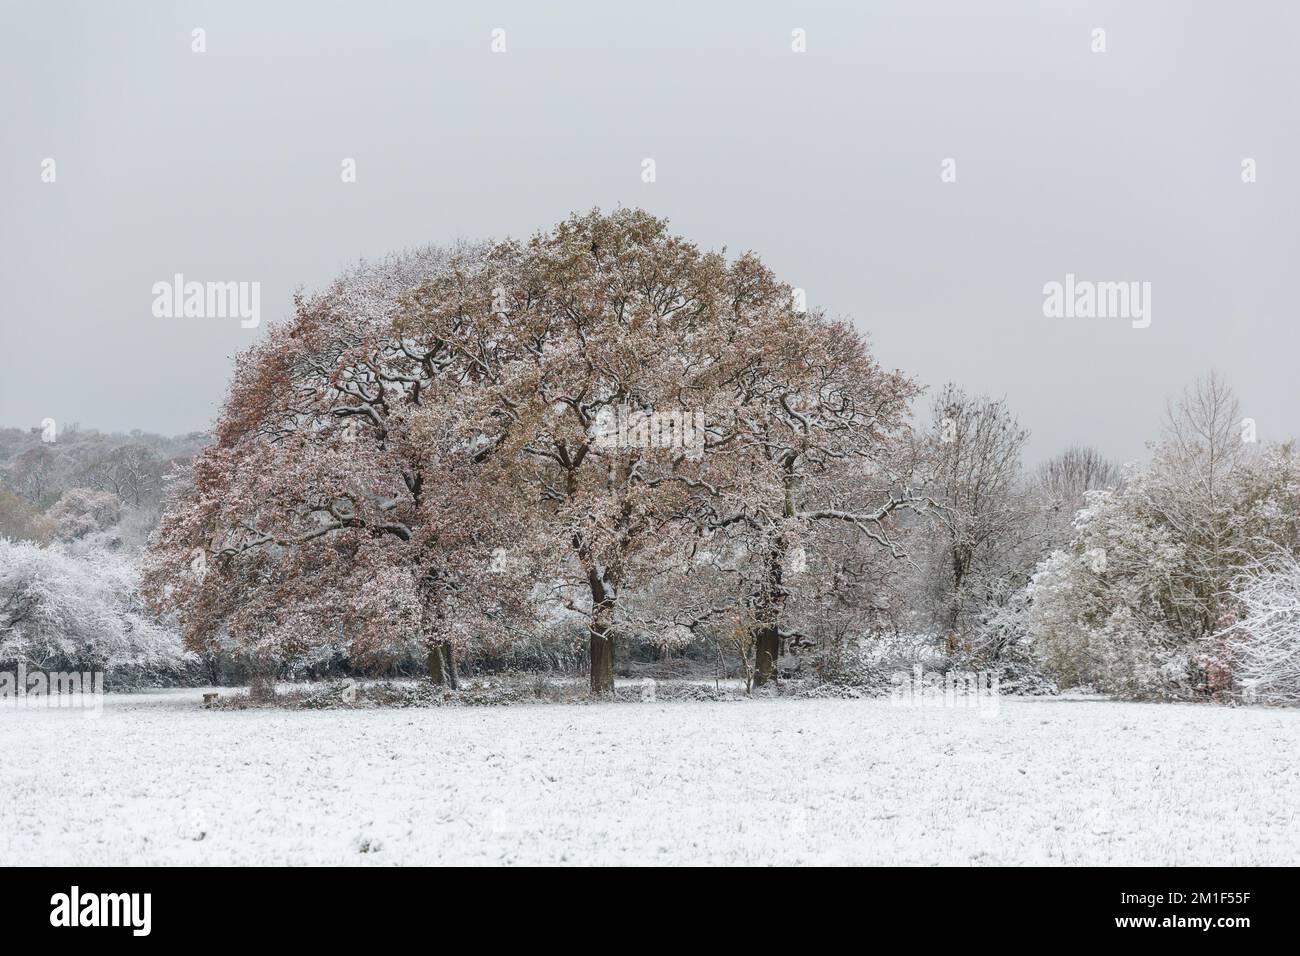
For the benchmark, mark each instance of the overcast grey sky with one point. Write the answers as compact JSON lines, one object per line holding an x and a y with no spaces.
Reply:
{"x":1124,"y":165}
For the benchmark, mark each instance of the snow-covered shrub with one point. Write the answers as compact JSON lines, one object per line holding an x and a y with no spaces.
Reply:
{"x":1265,"y":641}
{"x":1098,"y":610}
{"x":19,"y":521}
{"x":1137,"y":604}
{"x":59,"y":611}
{"x":1002,"y":645}
{"x":842,"y":660}
{"x":83,"y":511}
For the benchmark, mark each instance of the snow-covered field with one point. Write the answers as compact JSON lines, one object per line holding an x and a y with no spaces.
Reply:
{"x":159,"y":780}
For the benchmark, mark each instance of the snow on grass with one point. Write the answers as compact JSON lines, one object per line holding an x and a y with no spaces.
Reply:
{"x":158,"y":780}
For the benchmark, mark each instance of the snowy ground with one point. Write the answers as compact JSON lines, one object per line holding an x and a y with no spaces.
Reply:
{"x":158,"y":780}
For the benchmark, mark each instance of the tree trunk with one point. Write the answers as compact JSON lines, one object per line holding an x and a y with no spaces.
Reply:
{"x":603,"y":598}
{"x":441,"y":665}
{"x":261,"y":682}
{"x":602,"y":651}
{"x":767,"y":648}
{"x":767,"y":634}
{"x":960,"y":564}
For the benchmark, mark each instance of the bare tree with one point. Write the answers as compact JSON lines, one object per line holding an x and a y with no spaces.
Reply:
{"x":1077,"y":470}
{"x":983,"y":506}
{"x":1199,"y":456}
